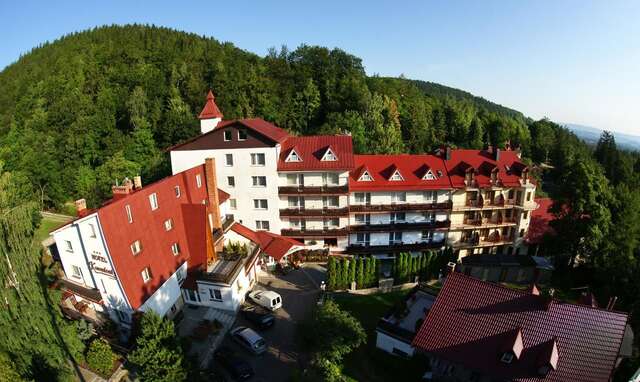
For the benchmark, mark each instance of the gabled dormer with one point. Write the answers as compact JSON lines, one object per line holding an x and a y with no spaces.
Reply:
{"x":365,"y":175}
{"x":548,"y":358}
{"x":512,"y":348}
{"x":396,"y":176}
{"x":329,"y":155}
{"x":429,"y":175}
{"x":293,"y":156}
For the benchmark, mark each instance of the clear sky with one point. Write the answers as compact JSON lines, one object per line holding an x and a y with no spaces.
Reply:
{"x":572,"y":61}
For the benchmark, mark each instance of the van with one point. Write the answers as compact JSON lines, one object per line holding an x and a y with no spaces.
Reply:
{"x":266,"y":299}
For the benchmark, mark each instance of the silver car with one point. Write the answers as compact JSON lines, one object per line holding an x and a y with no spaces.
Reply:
{"x":249,"y":339}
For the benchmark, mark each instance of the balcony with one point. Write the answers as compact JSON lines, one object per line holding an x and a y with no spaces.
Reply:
{"x":397,"y":226}
{"x":395,"y":207}
{"x":313,"y":190}
{"x":488,"y":241}
{"x":225,"y":271}
{"x":482,"y":203}
{"x":314,"y":211}
{"x":218,"y":233}
{"x":314,"y":232}
{"x":486,"y":223}
{"x":399,"y":247}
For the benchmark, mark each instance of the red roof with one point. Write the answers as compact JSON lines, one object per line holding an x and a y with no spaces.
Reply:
{"x":260,"y":126}
{"x":222,"y":196}
{"x":509,"y":167}
{"x":312,"y":148}
{"x":472,"y":320}
{"x":245,"y":231}
{"x":188,"y":214}
{"x":210,"y":109}
{"x":540,"y":219}
{"x":276,"y":246}
{"x":411,"y":167}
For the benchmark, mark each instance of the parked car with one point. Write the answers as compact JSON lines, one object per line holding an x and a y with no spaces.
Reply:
{"x":283,"y":269}
{"x":249,"y":339}
{"x":260,"y":317}
{"x":267,"y":299}
{"x":233,"y":363}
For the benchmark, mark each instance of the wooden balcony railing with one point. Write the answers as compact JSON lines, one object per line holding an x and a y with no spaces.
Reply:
{"x":228,"y":273}
{"x":318,"y":190}
{"x":395,"y":207}
{"x":330,"y":211}
{"x":364,"y":248}
{"x":315,"y":232}
{"x":400,"y":226}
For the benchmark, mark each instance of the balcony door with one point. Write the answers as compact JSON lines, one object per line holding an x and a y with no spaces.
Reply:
{"x":329,"y":179}
{"x":395,"y":237}
{"x":296,"y":202}
{"x":363,"y":198}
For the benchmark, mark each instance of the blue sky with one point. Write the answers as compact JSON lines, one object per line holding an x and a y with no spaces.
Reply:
{"x":572,"y":61}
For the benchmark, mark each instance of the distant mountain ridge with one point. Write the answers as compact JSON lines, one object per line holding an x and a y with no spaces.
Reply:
{"x":591,"y":135}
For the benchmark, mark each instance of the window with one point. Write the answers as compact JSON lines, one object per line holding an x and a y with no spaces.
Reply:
{"x":153,"y":200}
{"x":429,"y":196}
{"x":329,"y":156}
{"x":233,"y":204}
{"x":68,"y":246}
{"x":76,"y":272}
{"x":146,"y":274}
{"x":198,"y":180}
{"x":123,"y":316}
{"x":395,"y":237}
{"x":136,"y":247}
{"x":180,"y":275}
{"x":429,"y":175}
{"x":363,"y":219}
{"x":242,"y":135}
{"x":262,"y":225}
{"x":293,"y":157}
{"x":92,"y":230}
{"x":510,"y":194}
{"x":363,"y":238}
{"x":215,"y":294}
{"x":297,"y":224}
{"x":260,"y":204}
{"x":228,"y":160}
{"x":175,"y":249}
{"x":227,"y":135}
{"x":257,"y":159}
{"x":177,"y":191}
{"x":522,"y":232}
{"x":429,"y":216}
{"x":331,"y":223}
{"x":168,"y":224}
{"x":507,"y":357}
{"x":330,"y":201}
{"x":231,"y":181}
{"x":396,"y":176}
{"x":363,"y":197}
{"x":259,"y":181}
{"x":365,"y":177}
{"x":398,"y":197}
{"x":397,"y":217}
{"x":296,"y":201}
{"x":427,"y":235}
{"x":528,"y":196}
{"x":330,"y":179}
{"x":525,"y":215}
{"x":127,"y":208}
{"x":295,"y":179}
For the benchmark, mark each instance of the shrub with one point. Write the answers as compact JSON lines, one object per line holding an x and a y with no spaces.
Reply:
{"x":100,"y":357}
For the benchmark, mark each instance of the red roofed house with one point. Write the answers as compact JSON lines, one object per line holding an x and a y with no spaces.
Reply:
{"x":479,"y":331}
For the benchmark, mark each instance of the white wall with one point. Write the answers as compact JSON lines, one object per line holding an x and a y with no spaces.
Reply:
{"x":314,"y":178}
{"x":167,"y":295}
{"x":385,"y":197}
{"x":388,"y":343}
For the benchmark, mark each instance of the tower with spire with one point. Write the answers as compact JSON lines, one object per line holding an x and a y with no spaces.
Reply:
{"x":210,"y":115}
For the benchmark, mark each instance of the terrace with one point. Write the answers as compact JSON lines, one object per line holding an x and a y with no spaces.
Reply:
{"x":398,"y":207}
{"x":314,"y":211}
{"x":313,"y":190}
{"x":395,"y":226}
{"x":229,"y":264}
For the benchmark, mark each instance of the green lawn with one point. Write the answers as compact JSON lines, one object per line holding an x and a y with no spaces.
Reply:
{"x":47,"y":224}
{"x":368,"y":363}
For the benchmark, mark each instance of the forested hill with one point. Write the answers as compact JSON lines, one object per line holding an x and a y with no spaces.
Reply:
{"x":78,"y":113}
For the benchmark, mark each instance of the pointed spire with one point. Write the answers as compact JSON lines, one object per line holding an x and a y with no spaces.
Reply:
{"x":210,"y":110}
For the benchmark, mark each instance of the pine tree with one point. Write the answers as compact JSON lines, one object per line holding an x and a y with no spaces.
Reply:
{"x":344,"y":272}
{"x":367,"y":271}
{"x":352,"y":270}
{"x":374,"y":271}
{"x":331,"y":273}
{"x":360,"y":273}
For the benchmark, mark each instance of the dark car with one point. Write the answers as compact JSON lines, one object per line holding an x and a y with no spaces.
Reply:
{"x":283,"y":269}
{"x":260,"y":317}
{"x":235,"y":365}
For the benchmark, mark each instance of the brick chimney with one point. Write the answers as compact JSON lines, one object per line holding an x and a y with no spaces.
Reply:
{"x":137,"y":182}
{"x":212,"y":192}
{"x":81,"y":207}
{"x":124,"y":190}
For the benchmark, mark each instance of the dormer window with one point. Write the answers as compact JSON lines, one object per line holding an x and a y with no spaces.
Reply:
{"x":365,"y":177}
{"x":429,"y":176}
{"x":293,"y":157}
{"x":507,"y":357}
{"x":396,"y":176}
{"x":227,"y":135}
{"x":242,"y":135}
{"x":329,"y":156}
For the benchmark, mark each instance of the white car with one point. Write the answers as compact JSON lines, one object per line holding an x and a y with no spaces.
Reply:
{"x":267,"y":299}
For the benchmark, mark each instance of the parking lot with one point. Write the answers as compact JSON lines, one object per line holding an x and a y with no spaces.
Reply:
{"x":299,"y":290}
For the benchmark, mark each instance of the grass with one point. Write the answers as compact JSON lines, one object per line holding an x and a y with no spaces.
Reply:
{"x":47,"y":224}
{"x":368,"y":363}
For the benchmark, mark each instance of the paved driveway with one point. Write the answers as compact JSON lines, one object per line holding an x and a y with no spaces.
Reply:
{"x":299,"y":291}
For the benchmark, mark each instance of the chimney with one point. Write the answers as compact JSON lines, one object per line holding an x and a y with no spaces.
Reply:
{"x":447,"y":153}
{"x":81,"y":207}
{"x":210,"y":115}
{"x":137,"y":182}
{"x":122,"y":191}
{"x":212,"y":193}
{"x":497,"y":154}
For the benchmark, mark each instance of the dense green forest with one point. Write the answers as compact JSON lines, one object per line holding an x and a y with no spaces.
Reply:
{"x":80,"y":113}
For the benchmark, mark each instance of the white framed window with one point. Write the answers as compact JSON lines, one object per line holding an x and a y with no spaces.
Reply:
{"x":231,"y":181}
{"x":227,"y":135}
{"x":242,"y":135}
{"x":363,"y":238}
{"x":429,"y":175}
{"x":297,"y":224}
{"x":331,"y":223}
{"x":228,"y":160}
{"x":396,"y":176}
{"x":215,"y":294}
{"x":92,"y":230}
{"x":427,"y":235}
{"x":168,"y":224}
{"x":429,"y":196}
{"x":259,"y":181}
{"x":198,"y":181}
{"x":175,"y":249}
{"x":68,"y":246}
{"x":293,"y":157}
{"x":397,"y":217}
{"x":233,"y":204}
{"x":76,"y":272}
{"x":429,"y":216}
{"x":363,"y":218}
{"x":295,"y":201}
{"x":398,"y":197}
{"x":262,"y":225}
{"x":525,"y":215}
{"x":257,"y":159}
{"x":365,"y":177}
{"x":153,"y":201}
{"x":330,"y":201}
{"x":176,"y":189}
{"x":362,"y":197}
{"x":146,"y":274}
{"x":329,"y":156}
{"x":395,"y":237}
{"x":295,"y":179}
{"x":260,"y":204}
{"x":127,"y":208}
{"x":136,"y":247}
{"x":330,"y":179}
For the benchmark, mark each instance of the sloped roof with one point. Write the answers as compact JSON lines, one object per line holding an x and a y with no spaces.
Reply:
{"x":411,"y":167}
{"x":471,"y":320}
{"x":260,"y":126}
{"x":509,"y":167}
{"x":540,"y":219}
{"x":312,"y":148}
{"x":210,"y":109}
{"x":272,"y":244}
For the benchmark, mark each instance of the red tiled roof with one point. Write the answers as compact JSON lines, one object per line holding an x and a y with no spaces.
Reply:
{"x":260,"y":126}
{"x":540,"y":219}
{"x":472,"y":319}
{"x":222,"y":196}
{"x":210,"y":109}
{"x":411,"y":167}
{"x":276,"y":246}
{"x":245,"y":231}
{"x":509,"y":167}
{"x":312,"y":148}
